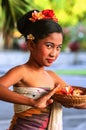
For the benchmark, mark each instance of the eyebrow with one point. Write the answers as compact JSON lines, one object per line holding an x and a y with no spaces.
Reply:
{"x":53,"y":43}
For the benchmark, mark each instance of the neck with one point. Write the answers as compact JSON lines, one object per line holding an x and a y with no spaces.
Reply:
{"x":35,"y":65}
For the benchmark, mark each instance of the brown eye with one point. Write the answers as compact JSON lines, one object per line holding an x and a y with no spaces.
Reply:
{"x":49,"y":45}
{"x":59,"y":47}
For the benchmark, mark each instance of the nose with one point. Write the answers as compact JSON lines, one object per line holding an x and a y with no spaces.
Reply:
{"x":53,"y":53}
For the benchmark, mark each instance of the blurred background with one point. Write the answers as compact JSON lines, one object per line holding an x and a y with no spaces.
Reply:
{"x":71,"y":64}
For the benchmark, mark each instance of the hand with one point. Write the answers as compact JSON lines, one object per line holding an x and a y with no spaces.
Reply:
{"x":45,"y":100}
{"x":81,"y":106}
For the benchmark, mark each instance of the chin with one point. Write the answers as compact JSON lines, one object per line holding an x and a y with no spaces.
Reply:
{"x":48,"y":65}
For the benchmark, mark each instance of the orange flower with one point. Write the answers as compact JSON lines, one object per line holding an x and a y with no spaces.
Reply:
{"x":36,"y":16}
{"x":45,"y":14}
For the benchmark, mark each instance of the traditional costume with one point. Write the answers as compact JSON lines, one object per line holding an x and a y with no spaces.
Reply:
{"x":30,"y":118}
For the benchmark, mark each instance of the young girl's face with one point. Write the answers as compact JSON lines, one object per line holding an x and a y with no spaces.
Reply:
{"x":46,"y":50}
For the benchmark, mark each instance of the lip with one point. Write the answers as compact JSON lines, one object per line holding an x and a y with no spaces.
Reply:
{"x":50,"y":60}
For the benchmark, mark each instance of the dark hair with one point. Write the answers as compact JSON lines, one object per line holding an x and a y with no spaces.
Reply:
{"x":39,"y":29}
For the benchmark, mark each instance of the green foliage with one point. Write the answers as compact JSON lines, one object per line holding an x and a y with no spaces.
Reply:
{"x":44,"y":4}
{"x":69,"y":12}
{"x":12,"y":10}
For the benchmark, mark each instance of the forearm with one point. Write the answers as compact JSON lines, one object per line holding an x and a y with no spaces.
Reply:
{"x":82,"y":106}
{"x":42,"y":102}
{"x":12,"y":97}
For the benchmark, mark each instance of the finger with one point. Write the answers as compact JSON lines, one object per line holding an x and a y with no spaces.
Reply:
{"x":57,"y":85}
{"x":52,"y":92}
{"x":50,"y":101}
{"x":54,"y":89}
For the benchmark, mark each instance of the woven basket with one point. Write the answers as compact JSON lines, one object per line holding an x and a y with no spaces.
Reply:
{"x":70,"y":100}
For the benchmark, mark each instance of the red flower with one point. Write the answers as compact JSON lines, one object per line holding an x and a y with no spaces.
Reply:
{"x":49,"y":14}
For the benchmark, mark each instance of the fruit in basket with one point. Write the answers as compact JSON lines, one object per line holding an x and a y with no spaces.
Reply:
{"x":69,"y":90}
{"x":77,"y":92}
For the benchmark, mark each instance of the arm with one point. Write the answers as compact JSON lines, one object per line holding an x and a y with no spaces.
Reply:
{"x":81,"y":106}
{"x":12,"y":97}
{"x":9,"y":96}
{"x":14,"y":76}
{"x":10,"y":78}
{"x":63,"y":83}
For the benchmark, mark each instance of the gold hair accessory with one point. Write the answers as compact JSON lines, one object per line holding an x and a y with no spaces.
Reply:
{"x":30,"y":37}
{"x":45,"y":14}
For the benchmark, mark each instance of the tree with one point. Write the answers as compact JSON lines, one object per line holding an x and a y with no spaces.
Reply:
{"x":10,"y":11}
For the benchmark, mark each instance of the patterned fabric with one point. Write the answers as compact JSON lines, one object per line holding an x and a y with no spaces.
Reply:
{"x":34,"y":122}
{"x":29,"y":92}
{"x":27,"y":117}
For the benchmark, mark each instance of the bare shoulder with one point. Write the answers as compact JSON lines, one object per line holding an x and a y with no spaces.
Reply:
{"x":13,"y":76}
{"x":53,"y":74}
{"x":16,"y":70}
{"x":57,"y":78}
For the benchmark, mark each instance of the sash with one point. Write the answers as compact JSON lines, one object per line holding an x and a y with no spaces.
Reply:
{"x":55,"y":121}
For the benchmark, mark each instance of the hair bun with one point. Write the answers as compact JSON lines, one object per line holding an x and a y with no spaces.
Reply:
{"x":24,"y":24}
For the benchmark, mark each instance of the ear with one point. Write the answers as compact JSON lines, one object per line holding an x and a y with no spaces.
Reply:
{"x":30,"y":45}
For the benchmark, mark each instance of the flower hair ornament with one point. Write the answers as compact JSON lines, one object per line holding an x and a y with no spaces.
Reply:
{"x":45,"y":14}
{"x":30,"y":37}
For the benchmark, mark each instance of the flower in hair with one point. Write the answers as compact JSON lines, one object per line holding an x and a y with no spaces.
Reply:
{"x":45,"y":14}
{"x":30,"y":37}
{"x":49,"y":14}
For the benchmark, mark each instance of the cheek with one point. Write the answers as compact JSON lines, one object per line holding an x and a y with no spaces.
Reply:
{"x":57,"y":55}
{"x":43,"y":51}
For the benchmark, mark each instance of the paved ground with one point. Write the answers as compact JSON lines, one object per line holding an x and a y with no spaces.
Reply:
{"x":73,"y":119}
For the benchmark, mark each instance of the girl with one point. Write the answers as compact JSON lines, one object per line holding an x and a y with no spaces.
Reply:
{"x":33,"y":85}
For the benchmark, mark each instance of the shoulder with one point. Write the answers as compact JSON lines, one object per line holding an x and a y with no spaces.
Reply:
{"x":16,"y":71}
{"x":19,"y":68}
{"x":56,"y":78}
{"x":52,"y":73}
{"x":13,"y":76}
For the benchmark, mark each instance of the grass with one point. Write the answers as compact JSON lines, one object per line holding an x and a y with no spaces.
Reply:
{"x":72,"y":72}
